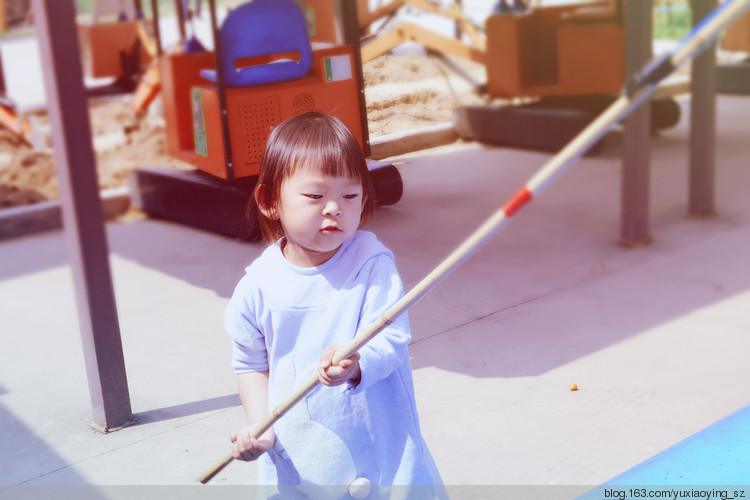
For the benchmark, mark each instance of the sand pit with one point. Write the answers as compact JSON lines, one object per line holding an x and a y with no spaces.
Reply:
{"x":403,"y":92}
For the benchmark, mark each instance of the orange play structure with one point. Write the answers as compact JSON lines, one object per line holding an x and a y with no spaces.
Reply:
{"x":192,"y":104}
{"x":570,"y":49}
{"x":193,"y":119}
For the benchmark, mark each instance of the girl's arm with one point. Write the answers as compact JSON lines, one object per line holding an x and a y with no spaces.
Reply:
{"x":388,"y":350}
{"x":253,"y":391}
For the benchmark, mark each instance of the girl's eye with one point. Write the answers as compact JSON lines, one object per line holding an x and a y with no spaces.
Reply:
{"x":350,"y":196}
{"x":313,"y":196}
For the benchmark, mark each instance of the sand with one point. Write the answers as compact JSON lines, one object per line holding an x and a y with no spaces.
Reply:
{"x":403,"y":92}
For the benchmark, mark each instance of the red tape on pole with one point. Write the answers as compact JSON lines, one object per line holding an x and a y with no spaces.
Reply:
{"x":519,"y":199}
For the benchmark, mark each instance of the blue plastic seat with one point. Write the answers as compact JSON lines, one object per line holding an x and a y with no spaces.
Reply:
{"x":263,"y":28}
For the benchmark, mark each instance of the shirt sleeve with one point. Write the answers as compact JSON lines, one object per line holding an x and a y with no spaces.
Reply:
{"x":249,"y":352}
{"x":388,"y":350}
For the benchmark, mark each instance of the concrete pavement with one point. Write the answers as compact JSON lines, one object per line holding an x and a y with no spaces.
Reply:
{"x":656,"y":337}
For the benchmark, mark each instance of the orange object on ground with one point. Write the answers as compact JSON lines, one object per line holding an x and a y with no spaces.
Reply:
{"x":18,"y":125}
{"x":737,"y":35}
{"x":148,"y":89}
{"x":103,"y":43}
{"x":149,"y":85}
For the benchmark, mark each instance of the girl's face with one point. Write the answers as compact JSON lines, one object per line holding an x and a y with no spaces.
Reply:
{"x":318,"y":213}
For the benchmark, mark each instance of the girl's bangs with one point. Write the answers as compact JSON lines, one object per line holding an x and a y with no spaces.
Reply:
{"x":329,"y":155}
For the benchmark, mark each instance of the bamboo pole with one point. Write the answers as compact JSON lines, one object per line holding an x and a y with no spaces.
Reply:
{"x":636,"y":91}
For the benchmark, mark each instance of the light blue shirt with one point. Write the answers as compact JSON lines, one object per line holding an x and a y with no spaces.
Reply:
{"x":281,"y":317}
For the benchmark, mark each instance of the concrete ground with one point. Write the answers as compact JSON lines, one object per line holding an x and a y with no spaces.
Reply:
{"x":655,"y":337}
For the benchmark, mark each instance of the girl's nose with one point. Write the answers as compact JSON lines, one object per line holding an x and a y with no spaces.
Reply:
{"x":332,"y":208}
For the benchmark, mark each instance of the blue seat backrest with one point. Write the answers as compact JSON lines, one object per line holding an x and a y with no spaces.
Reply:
{"x":263,"y":28}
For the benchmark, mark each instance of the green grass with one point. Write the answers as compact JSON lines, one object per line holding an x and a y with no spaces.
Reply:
{"x":672,"y":20}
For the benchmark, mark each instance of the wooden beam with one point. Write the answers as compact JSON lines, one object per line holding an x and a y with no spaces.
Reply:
{"x":427,"y":38}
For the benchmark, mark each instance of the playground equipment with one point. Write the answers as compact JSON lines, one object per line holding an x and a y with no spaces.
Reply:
{"x":638,"y":90}
{"x":220,"y":108}
{"x":559,"y":66}
{"x":566,"y":61}
{"x":265,"y":90}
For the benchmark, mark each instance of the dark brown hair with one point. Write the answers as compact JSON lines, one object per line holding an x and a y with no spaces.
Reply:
{"x":310,"y":140}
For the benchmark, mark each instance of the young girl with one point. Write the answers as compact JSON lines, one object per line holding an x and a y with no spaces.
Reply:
{"x":321,"y":281}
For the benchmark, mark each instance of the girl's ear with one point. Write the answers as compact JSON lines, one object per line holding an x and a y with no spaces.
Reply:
{"x":260,"y":199}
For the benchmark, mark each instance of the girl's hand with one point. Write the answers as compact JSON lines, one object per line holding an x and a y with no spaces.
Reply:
{"x":347,"y":369}
{"x":247,"y":448}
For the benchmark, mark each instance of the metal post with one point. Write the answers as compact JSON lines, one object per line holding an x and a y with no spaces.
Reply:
{"x":221,"y":90}
{"x":702,"y":123}
{"x":179,"y":8}
{"x":457,"y":31}
{"x":83,"y":219}
{"x":157,"y":31}
{"x":634,"y":223}
{"x":3,"y":88}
